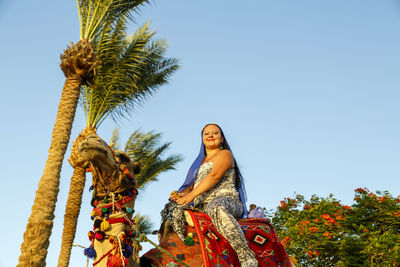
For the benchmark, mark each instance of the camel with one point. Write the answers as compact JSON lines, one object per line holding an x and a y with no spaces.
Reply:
{"x":114,"y":193}
{"x":115,"y":239}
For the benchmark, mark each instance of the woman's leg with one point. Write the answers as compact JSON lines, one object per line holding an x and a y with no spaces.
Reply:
{"x":178,"y":221}
{"x":222,"y":211}
{"x":175,"y":214}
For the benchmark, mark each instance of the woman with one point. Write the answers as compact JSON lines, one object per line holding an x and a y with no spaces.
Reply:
{"x":215,"y":186}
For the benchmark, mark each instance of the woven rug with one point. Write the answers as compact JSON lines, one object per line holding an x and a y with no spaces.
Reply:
{"x":210,"y":249}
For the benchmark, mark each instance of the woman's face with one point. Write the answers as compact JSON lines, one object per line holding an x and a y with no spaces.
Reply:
{"x":212,"y":136}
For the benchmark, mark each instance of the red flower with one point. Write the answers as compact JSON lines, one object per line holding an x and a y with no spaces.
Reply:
{"x":361,"y":190}
{"x":339,"y":217}
{"x":328,"y":235}
{"x":309,"y":253}
{"x":285,"y":241}
{"x":325,"y":216}
{"x":283,"y":205}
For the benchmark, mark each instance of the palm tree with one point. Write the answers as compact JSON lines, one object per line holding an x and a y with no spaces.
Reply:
{"x":146,"y":149}
{"x":78,"y":62}
{"x":132,"y":67}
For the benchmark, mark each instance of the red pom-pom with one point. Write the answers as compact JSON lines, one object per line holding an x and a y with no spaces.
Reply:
{"x":100,"y":235}
{"x":114,"y":261}
{"x":91,"y":235}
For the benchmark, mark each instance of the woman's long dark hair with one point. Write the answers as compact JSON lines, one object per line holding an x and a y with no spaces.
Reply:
{"x":194,"y":169}
{"x":225,"y":145}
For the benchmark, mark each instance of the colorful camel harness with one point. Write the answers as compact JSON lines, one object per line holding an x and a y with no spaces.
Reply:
{"x":122,"y":244}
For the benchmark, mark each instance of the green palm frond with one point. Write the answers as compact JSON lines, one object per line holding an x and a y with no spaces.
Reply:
{"x":143,"y":223}
{"x":95,"y":14}
{"x":145,"y":148}
{"x":115,"y":137}
{"x":132,"y":68}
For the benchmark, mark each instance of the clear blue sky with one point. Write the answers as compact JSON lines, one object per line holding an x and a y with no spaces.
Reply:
{"x":307,"y":93}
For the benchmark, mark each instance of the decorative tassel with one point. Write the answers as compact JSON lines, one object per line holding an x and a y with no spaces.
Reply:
{"x":114,"y":261}
{"x":91,"y":235}
{"x":104,"y":226}
{"x":128,"y":251}
{"x":133,"y":233}
{"x":97,"y":223}
{"x":92,"y":202}
{"x":126,"y":261}
{"x":122,"y":237}
{"x":129,"y":210}
{"x":90,"y":252}
{"x":100,"y":235}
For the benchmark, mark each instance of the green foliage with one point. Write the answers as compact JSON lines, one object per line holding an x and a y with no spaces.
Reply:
{"x":132,"y":67}
{"x":96,"y":14}
{"x":323,"y":232}
{"x":143,"y":223}
{"x":146,"y":149}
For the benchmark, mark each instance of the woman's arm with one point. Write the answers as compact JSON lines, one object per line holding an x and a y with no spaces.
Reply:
{"x":221,"y":163}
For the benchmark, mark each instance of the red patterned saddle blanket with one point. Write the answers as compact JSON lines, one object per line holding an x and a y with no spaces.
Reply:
{"x":210,"y":249}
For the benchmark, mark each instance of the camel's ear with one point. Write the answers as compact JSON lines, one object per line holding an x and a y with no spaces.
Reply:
{"x":123,"y":157}
{"x":137,"y":167}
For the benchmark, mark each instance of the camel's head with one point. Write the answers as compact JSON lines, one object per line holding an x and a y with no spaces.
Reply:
{"x":96,"y":151}
{"x":112,"y":171}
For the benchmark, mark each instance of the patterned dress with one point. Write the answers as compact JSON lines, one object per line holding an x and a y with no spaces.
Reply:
{"x":221,"y":203}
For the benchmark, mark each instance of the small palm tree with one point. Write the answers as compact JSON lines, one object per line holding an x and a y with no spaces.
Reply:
{"x":132,"y":68}
{"x":146,"y":149}
{"x":78,"y":63}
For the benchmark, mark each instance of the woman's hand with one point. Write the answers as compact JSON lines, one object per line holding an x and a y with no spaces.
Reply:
{"x":186,"y":199}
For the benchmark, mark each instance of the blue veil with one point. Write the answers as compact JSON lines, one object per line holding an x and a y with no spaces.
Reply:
{"x":194,"y":169}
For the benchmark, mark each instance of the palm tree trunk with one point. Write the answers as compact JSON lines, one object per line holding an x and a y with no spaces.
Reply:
{"x":40,"y":223}
{"x":74,"y":200}
{"x":72,"y":210}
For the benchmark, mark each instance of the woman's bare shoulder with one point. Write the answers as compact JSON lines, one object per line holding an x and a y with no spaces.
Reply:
{"x":224,"y":156}
{"x":225,"y":153}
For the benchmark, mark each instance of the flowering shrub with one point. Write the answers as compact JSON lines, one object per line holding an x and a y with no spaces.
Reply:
{"x":323,"y":232}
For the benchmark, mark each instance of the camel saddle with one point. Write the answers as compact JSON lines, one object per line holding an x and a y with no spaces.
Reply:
{"x":209,"y":249}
